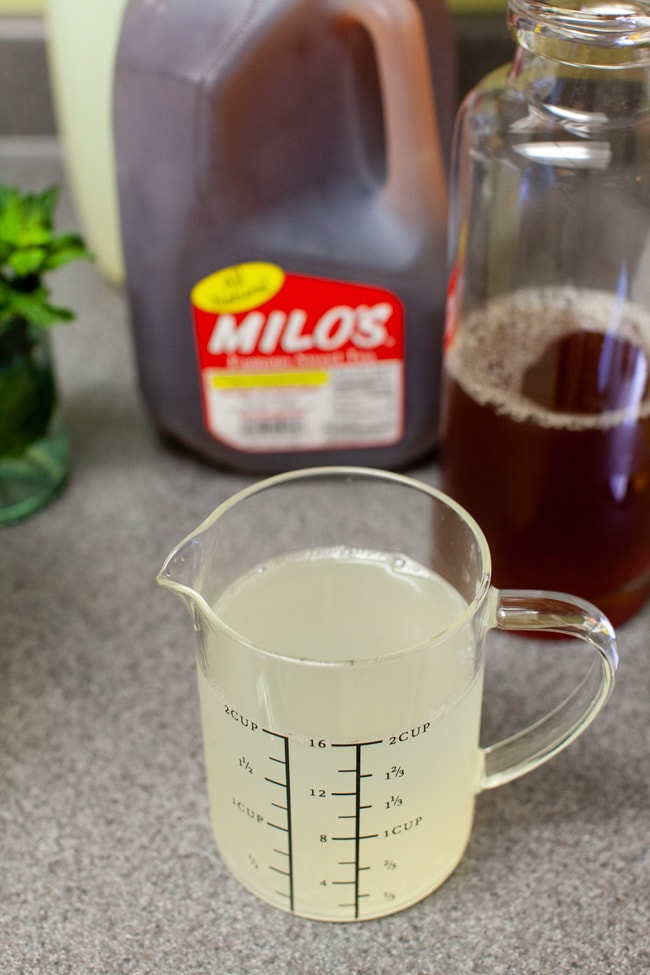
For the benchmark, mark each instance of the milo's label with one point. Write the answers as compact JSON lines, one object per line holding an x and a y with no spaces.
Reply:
{"x":293,"y":362}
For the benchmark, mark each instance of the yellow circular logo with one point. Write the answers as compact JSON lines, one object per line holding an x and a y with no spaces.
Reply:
{"x":238,"y":288}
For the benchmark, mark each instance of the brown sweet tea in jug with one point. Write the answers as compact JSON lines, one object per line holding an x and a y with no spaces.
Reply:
{"x":283,"y":211}
{"x":537,"y":383}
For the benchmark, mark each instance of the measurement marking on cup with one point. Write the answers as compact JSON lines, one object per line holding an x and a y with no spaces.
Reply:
{"x":358,"y":836}
{"x":368,"y":836}
{"x":286,"y":785}
{"x":350,"y":870}
{"x":354,"y":815}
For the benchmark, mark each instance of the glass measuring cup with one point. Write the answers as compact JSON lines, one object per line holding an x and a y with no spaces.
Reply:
{"x":340,"y":617}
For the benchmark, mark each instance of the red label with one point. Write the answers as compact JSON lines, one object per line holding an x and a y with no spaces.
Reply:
{"x":307,"y":317}
{"x":293,"y":362}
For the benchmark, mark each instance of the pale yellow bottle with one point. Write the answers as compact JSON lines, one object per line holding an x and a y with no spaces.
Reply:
{"x":19,"y":7}
{"x":82,"y":41}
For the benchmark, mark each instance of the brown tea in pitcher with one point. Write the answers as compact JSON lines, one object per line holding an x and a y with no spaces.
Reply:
{"x":546,"y":441}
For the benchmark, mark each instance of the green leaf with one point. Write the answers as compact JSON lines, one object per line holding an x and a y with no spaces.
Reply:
{"x":5,"y":193}
{"x":29,"y":260}
{"x":11,"y":219}
{"x":23,"y":223}
{"x":46,"y":204}
{"x":33,"y":306}
{"x":29,"y":248}
{"x":64,"y":249}
{"x":55,"y":314}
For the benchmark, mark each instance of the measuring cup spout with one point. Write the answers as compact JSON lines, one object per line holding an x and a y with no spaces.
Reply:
{"x":180,"y":572}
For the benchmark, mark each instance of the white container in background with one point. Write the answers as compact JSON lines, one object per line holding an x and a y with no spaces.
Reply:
{"x":13,"y":8}
{"x":82,"y":41}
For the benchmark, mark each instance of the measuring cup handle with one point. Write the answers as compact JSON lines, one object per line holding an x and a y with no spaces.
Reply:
{"x":569,"y":616}
{"x":415,"y":168}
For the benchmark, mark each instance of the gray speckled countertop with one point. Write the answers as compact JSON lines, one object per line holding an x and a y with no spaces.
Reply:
{"x":106,"y":859}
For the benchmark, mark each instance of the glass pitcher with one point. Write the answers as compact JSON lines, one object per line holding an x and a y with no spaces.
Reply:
{"x":546,"y":403}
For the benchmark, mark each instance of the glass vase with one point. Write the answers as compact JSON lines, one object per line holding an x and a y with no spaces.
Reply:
{"x":33,"y":445}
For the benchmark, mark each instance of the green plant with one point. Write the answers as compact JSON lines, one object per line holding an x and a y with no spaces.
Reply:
{"x":29,"y":248}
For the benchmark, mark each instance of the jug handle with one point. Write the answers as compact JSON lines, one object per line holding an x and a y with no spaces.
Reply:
{"x":416,"y":182}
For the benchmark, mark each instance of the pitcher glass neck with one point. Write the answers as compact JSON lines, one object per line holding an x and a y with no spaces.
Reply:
{"x":592,"y":33}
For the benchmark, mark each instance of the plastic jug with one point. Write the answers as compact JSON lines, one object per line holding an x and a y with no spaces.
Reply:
{"x":283,"y":209}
